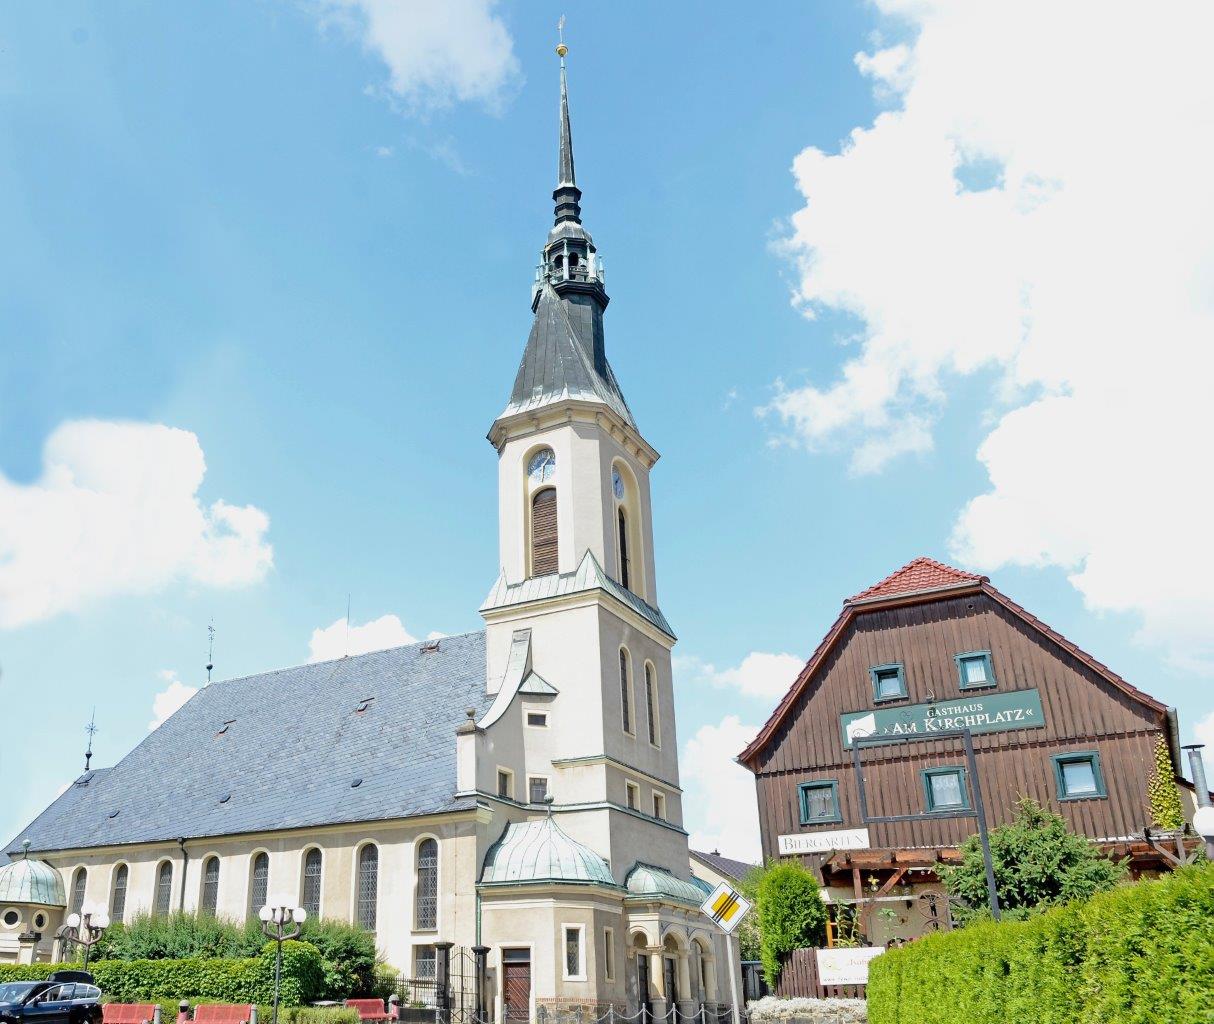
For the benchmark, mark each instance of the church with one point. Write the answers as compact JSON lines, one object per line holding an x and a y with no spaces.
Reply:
{"x":512,"y":791}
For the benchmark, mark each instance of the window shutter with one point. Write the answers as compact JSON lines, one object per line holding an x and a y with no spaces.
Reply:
{"x":543,"y":532}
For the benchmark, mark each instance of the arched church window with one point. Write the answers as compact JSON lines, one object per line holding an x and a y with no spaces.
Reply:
{"x":164,"y":888}
{"x":209,"y":904}
{"x":622,"y":522}
{"x":542,"y":466}
{"x":426,"y":890}
{"x":625,"y":688}
{"x":259,"y":883}
{"x":367,"y":899}
{"x":544,"y":547}
{"x":79,"y":881}
{"x":313,"y":864}
{"x":651,"y":703}
{"x":118,"y":897}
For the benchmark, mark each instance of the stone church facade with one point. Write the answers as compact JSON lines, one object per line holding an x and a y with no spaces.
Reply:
{"x":513,"y":790}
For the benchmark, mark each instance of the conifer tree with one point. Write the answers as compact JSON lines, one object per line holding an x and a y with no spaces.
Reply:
{"x":1162,"y":794}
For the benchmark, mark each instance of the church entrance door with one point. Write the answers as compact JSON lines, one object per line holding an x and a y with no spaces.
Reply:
{"x":516,"y":984}
{"x":672,"y":986}
{"x":643,"y":983}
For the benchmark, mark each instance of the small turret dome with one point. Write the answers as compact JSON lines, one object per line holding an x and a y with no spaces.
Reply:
{"x":31,"y":881}
{"x":540,"y":851}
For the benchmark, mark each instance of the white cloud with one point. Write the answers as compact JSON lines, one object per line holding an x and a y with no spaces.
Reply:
{"x":436,"y":53}
{"x":1203,"y":730}
{"x":376,"y":635}
{"x":1036,"y":205}
{"x":719,"y":805}
{"x":760,"y":675}
{"x":170,"y":699}
{"x":116,"y":511}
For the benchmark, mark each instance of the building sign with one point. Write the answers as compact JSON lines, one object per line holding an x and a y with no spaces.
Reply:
{"x":824,"y":842}
{"x":984,"y":712}
{"x":726,"y":906}
{"x":846,"y":966}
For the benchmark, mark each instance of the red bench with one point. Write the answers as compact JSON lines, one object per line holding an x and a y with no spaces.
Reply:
{"x":369,"y":1009}
{"x":224,"y":1013}
{"x":128,"y":1013}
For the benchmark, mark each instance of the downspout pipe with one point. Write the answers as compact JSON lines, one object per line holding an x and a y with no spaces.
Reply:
{"x":185,"y":863}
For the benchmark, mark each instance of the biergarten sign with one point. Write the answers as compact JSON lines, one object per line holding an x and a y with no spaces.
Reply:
{"x":981,"y":712}
{"x":824,"y":842}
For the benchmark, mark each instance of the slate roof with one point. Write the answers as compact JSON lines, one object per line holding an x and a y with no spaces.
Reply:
{"x":727,"y":867}
{"x":284,"y":747}
{"x":916,"y":577}
{"x":559,"y":363}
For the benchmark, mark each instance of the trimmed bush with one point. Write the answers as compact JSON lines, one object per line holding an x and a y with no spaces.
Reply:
{"x":180,"y":936}
{"x":1140,"y":954}
{"x":349,"y":957}
{"x":315,"y":1015}
{"x":791,"y":913}
{"x":198,"y":979}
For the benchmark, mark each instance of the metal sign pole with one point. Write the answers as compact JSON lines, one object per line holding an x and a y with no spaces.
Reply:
{"x":733,"y":978}
{"x":991,"y":892}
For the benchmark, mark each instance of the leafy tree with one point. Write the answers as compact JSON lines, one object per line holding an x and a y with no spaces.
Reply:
{"x":1162,"y":794}
{"x":1037,"y":863}
{"x":748,"y":930}
{"x":791,"y":914}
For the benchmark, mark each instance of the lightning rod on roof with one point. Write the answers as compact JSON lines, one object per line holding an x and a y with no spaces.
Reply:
{"x":91,"y":728}
{"x":210,"y":650}
{"x":347,"y":654}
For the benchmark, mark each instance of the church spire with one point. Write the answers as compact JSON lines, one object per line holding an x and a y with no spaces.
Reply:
{"x":567,"y":195}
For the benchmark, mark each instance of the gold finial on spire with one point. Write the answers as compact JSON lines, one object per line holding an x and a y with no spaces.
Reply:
{"x":561,"y":48}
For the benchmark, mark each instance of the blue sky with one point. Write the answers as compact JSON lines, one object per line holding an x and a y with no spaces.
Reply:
{"x":304,"y":234}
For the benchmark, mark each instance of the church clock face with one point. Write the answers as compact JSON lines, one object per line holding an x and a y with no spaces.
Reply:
{"x":617,"y":484}
{"x":542,"y":466}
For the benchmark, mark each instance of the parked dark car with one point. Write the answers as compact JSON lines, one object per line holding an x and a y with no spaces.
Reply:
{"x":66,"y":997}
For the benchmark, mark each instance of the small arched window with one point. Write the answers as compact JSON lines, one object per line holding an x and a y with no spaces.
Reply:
{"x":651,"y":704}
{"x":164,"y":888}
{"x":622,"y":522}
{"x":544,"y":547}
{"x":367,"y":896}
{"x":209,"y":904}
{"x":259,"y":883}
{"x":625,"y":694}
{"x":118,"y":896}
{"x":426,"y":890}
{"x":79,"y":881}
{"x":310,"y":897}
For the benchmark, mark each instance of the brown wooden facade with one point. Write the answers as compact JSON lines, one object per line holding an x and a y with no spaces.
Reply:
{"x":1087,"y":708}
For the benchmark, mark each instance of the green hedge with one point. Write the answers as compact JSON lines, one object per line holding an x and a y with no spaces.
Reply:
{"x":199,"y":979}
{"x":1141,"y":954}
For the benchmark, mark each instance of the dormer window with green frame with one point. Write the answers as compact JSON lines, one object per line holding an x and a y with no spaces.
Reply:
{"x":889,"y":682}
{"x":974,"y":670}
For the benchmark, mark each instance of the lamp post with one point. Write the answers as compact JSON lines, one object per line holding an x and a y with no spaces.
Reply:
{"x":276,"y":924}
{"x":84,"y":931}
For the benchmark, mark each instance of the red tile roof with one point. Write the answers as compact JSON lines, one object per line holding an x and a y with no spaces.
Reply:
{"x":916,"y":577}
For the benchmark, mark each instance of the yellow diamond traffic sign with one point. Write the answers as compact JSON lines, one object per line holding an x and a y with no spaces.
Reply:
{"x":726,"y":906}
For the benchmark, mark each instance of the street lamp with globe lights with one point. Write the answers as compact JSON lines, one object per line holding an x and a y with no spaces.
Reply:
{"x":84,"y":930}
{"x":276,"y":924}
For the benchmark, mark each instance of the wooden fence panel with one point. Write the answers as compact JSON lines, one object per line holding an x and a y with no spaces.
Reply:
{"x":799,"y":977}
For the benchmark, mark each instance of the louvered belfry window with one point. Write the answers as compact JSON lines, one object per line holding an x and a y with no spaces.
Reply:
{"x":210,"y":886}
{"x":311,"y":882}
{"x":368,"y":885}
{"x":259,"y":883}
{"x":78,"y":883}
{"x":426,"y":894}
{"x":118,"y":900}
{"x":164,"y":888}
{"x":543,"y":532}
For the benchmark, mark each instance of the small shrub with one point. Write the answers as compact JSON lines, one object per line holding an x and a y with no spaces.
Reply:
{"x":349,"y":957}
{"x":791,"y":914}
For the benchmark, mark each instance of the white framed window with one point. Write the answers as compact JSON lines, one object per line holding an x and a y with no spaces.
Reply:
{"x":537,"y":789}
{"x":659,"y":805}
{"x":609,"y":954}
{"x":505,"y":783}
{"x":573,"y":950}
{"x":632,"y":795}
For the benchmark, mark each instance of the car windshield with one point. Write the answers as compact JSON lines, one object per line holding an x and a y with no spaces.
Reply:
{"x":15,"y":991}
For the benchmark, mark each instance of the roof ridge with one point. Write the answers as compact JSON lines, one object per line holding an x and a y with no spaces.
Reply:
{"x":927,"y":574}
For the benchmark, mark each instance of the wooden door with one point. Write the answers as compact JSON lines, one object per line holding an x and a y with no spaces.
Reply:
{"x":516,"y":984}
{"x":672,"y":986}
{"x":643,"y":982}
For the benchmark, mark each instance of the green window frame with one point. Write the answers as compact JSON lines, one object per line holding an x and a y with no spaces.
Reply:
{"x":883,"y":674}
{"x":985,"y":658}
{"x":1090,"y":757}
{"x":928,"y":774}
{"x":803,"y":791}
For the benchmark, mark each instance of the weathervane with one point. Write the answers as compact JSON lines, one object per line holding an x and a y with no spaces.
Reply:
{"x":561,"y":48}
{"x":210,"y":650}
{"x":91,"y":729}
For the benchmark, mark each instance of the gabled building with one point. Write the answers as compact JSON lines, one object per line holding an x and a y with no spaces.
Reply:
{"x":514,"y":791}
{"x":932,"y":649}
